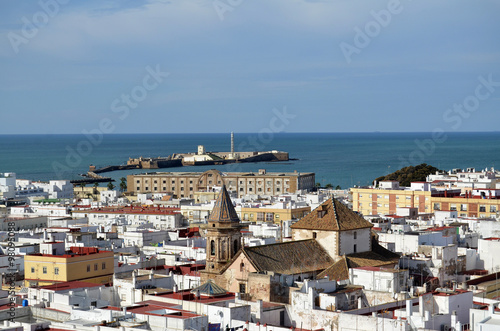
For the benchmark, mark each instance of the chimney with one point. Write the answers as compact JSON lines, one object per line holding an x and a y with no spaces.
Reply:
{"x":408,"y":308}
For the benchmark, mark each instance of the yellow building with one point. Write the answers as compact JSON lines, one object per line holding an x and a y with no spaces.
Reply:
{"x":275,"y":215}
{"x":372,"y":201}
{"x":80,"y":264}
{"x":383,"y":200}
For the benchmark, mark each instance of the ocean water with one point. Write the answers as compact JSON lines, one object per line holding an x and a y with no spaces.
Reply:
{"x":344,"y":159}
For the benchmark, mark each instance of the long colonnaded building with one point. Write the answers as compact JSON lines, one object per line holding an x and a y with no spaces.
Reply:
{"x":185,"y":184}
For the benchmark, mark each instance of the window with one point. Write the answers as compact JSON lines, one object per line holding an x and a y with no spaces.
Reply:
{"x":146,"y":188}
{"x":493,"y":209}
{"x":235,"y":246}
{"x":32,"y":270}
{"x":315,"y":235}
{"x":437,"y":206}
{"x":355,"y":235}
{"x":95,"y":267}
{"x":88,"y":267}
{"x":269,"y":217}
{"x":453,"y":207}
{"x":242,"y":288}
{"x":355,"y":248}
{"x":242,"y":266}
{"x":463,"y":207}
{"x":56,"y":271}
{"x":212,"y":247}
{"x":103,"y":265}
{"x":260,"y":216}
{"x":482,"y":208}
{"x":44,"y":270}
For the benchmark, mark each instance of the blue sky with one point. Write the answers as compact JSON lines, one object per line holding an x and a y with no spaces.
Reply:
{"x":231,"y":62}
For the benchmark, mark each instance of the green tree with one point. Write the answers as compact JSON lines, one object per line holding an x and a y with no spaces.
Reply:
{"x":410,"y":174}
{"x":318,"y":185}
{"x":82,"y":185}
{"x":110,"y":186}
{"x":338,"y":187}
{"x":329,"y":185}
{"x":123,"y":184}
{"x":96,"y":185}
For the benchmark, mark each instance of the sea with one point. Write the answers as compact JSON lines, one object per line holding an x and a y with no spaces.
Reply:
{"x":343,"y":159}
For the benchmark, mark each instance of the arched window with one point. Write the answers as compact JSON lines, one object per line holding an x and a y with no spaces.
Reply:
{"x":235,"y":246}
{"x":212,"y":247}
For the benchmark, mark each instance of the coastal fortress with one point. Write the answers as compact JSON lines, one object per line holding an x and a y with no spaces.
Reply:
{"x":201,"y":157}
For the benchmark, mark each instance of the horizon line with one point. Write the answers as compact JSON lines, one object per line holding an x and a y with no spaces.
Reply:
{"x":245,"y":132}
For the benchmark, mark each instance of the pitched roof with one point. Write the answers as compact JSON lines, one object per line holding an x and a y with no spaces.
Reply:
{"x":332,"y":215}
{"x":223,"y":210}
{"x":292,"y":257}
{"x":340,"y":269}
{"x":337,"y":271}
{"x":209,"y":289}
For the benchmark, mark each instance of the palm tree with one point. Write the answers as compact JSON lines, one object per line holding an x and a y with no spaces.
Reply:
{"x":82,"y":185}
{"x":96,"y":185}
{"x":123,"y":184}
{"x":110,"y":186}
{"x":328,"y":185}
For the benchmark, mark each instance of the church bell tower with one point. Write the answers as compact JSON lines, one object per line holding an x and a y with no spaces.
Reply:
{"x":222,"y":233}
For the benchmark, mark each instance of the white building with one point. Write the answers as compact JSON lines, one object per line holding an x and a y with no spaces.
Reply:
{"x":488,"y":249}
{"x":7,"y":185}
{"x":162,"y":218}
{"x":380,"y":279}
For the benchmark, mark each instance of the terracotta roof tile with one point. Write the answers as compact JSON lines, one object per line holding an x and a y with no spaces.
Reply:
{"x":223,"y":210}
{"x":290,"y":258}
{"x":332,"y":215}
